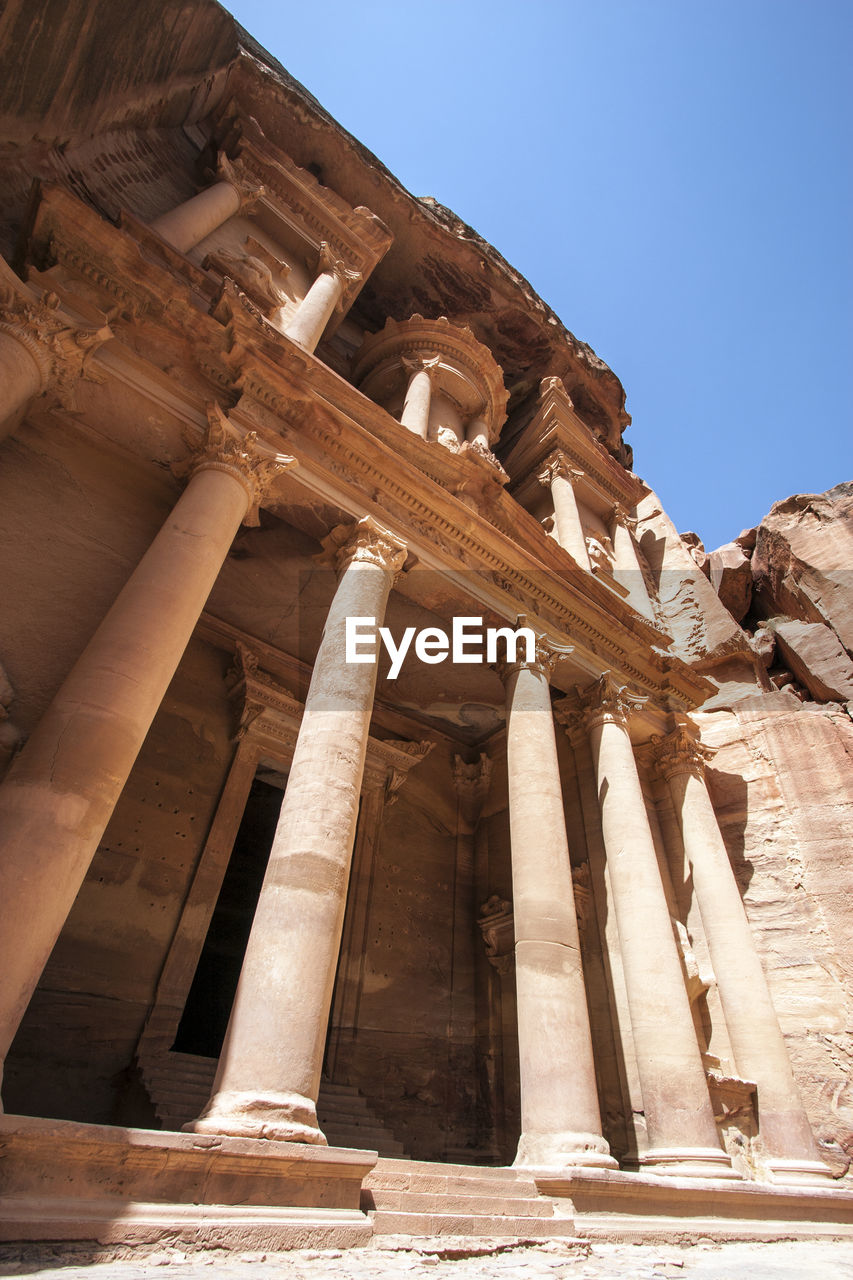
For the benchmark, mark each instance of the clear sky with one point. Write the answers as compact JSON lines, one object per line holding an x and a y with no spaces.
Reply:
{"x":674,"y":177}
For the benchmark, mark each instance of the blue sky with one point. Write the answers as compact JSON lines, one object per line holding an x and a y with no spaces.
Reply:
{"x":675,"y":179}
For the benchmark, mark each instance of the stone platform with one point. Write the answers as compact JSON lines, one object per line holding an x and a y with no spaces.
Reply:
{"x":65,"y":1181}
{"x":62,"y":1181}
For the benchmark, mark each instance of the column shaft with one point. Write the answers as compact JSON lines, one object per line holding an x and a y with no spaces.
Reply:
{"x":560,"y":1118}
{"x":477,"y":433}
{"x":627,"y":571}
{"x":189,"y":223}
{"x":567,"y":519}
{"x":416,"y":406}
{"x":756,"y":1037}
{"x":269,"y":1071}
{"x":309,"y":321}
{"x":62,"y":788}
{"x":21,"y":378}
{"x":679,"y":1117}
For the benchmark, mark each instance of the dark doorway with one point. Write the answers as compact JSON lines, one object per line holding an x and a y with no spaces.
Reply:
{"x":205,"y":1017}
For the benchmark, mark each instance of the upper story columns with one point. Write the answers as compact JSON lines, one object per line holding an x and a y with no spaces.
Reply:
{"x":189,"y":223}
{"x":315,"y":310}
{"x":560,"y":476}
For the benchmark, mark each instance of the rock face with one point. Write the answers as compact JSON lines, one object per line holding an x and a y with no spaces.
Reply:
{"x":781,"y":781}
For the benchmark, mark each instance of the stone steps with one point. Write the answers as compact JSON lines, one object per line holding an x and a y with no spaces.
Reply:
{"x":422,"y":1199}
{"x":180,"y":1084}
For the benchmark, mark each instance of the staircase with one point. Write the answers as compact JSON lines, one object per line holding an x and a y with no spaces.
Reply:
{"x":179,"y":1085}
{"x":419,"y":1198}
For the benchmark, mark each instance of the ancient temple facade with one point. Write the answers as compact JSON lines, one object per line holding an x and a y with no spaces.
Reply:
{"x":362,"y":711}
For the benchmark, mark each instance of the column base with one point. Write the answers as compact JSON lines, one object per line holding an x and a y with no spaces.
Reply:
{"x":281,"y":1117}
{"x":800,"y":1173}
{"x":549,"y":1151}
{"x":687,"y":1162}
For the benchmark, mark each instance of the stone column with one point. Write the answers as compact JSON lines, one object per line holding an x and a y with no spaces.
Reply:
{"x":308,"y":322}
{"x":39,"y":349}
{"x":626,"y":564}
{"x":58,"y":796}
{"x":754,"y":1032}
{"x":559,"y":475}
{"x":560,"y":1121}
{"x":416,"y":405}
{"x":189,"y":223}
{"x":477,"y":433}
{"x":679,"y":1116}
{"x":269,"y":1073}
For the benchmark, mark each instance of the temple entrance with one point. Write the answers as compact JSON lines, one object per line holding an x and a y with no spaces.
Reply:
{"x":205,"y":1018}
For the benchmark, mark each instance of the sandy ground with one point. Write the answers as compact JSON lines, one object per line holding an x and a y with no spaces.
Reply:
{"x":446,"y":1259}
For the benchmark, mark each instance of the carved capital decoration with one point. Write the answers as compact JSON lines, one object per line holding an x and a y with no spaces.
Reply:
{"x":472,"y":782}
{"x":679,"y":752}
{"x":329,"y":264}
{"x":558,"y":465}
{"x":496,"y":925}
{"x":388,"y":763}
{"x":619,"y":516}
{"x":243,"y":455}
{"x":603,"y":701}
{"x":61,"y":351}
{"x":232,"y":171}
{"x":548,"y":653}
{"x":425,"y":363}
{"x":251,"y":274}
{"x":366,"y":542}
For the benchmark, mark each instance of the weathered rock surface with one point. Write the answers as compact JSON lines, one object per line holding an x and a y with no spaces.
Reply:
{"x":802,"y":565}
{"x":816,"y":657}
{"x":731,"y":578}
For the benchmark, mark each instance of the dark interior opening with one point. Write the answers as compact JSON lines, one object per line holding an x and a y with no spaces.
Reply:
{"x":205,"y":1017}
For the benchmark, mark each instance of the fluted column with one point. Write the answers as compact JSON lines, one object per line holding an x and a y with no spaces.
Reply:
{"x":560,"y":1121}
{"x":40,"y":349}
{"x":754,"y":1032}
{"x":679,"y":1116}
{"x":189,"y":223}
{"x":269,"y":1072}
{"x":559,"y":475}
{"x":626,"y":564}
{"x":59,"y":793}
{"x":309,"y":321}
{"x":416,"y":406}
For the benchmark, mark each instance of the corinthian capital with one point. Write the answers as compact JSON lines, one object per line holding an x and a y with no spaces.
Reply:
{"x":421,"y":363}
{"x":679,"y":752}
{"x":547,"y":653}
{"x":366,"y":542}
{"x":243,"y":455}
{"x":558,"y":465}
{"x":336,"y":266}
{"x":248,"y":189}
{"x":603,"y":701}
{"x":62,"y":351}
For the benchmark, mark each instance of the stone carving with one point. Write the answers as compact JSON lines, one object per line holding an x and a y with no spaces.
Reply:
{"x":248,"y":189}
{"x":495,"y":922}
{"x":365,"y":542}
{"x":599,"y":548}
{"x":62,"y":352}
{"x":547,"y":653}
{"x":679,"y":752}
{"x":346,"y":275}
{"x":252,"y":275}
{"x":243,"y":454}
{"x":558,"y":465}
{"x":582,"y":890}
{"x":603,"y":700}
